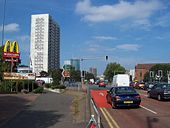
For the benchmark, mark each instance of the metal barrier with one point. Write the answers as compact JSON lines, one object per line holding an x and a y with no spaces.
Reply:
{"x":97,"y":114}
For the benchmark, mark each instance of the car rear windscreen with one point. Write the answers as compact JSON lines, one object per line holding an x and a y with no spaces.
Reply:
{"x":125,"y":90}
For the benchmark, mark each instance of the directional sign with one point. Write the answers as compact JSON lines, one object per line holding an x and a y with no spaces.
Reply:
{"x":66,"y":67}
{"x":66,"y":73}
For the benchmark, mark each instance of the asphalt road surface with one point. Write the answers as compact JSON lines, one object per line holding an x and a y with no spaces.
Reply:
{"x":50,"y":110}
{"x":151,"y":114}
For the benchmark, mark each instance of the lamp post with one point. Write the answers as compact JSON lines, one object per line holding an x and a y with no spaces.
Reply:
{"x":3,"y":22}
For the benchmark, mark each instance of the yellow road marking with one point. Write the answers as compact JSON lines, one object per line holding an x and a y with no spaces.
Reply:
{"x":111,"y":122}
{"x":110,"y":117}
{"x":107,"y":119}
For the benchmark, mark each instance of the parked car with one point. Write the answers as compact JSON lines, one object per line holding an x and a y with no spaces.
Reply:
{"x":148,"y":86}
{"x":123,"y":96}
{"x":102,"y":83}
{"x":160,"y":91}
{"x":141,"y":85}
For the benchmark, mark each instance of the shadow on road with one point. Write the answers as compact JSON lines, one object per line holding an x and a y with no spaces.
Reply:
{"x":34,"y":119}
{"x":151,"y":121}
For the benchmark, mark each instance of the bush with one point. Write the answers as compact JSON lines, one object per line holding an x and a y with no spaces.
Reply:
{"x":58,"y":87}
{"x":38,"y":90}
{"x":48,"y":85}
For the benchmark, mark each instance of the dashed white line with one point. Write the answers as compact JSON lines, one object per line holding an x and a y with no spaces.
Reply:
{"x":148,"y":109}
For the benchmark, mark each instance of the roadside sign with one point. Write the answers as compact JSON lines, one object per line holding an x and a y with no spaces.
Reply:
{"x":66,"y":73}
{"x":66,"y":67}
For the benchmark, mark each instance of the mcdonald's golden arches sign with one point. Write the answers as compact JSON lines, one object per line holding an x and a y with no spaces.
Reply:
{"x":11,"y":51}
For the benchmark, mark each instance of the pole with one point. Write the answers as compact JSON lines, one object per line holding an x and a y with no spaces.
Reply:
{"x":3,"y":22}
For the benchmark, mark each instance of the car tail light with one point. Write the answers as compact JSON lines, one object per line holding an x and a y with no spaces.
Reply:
{"x":118,"y":98}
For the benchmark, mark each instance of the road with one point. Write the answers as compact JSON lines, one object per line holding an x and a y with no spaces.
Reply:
{"x":151,"y":114}
{"x":50,"y":110}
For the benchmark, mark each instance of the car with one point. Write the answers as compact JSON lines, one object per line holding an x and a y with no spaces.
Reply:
{"x":148,"y":86}
{"x":141,"y":85}
{"x":102,"y":83}
{"x":123,"y":96}
{"x":160,"y":91}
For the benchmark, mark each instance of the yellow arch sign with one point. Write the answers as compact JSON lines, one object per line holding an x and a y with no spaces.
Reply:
{"x":11,"y":50}
{"x":11,"y":47}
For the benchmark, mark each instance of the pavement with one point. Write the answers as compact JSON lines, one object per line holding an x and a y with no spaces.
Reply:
{"x":47,"y":110}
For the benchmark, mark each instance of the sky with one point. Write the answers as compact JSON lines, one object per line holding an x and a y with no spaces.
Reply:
{"x":127,"y":31}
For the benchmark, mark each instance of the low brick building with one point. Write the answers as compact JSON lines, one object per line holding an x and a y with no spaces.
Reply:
{"x":141,"y":69}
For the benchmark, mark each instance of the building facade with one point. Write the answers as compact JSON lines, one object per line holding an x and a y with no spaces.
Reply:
{"x":93,"y":70}
{"x":45,"y":43}
{"x":141,"y":69}
{"x":75,"y":63}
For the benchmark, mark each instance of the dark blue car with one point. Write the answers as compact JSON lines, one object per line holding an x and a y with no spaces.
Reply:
{"x":160,"y":91}
{"x":123,"y":96}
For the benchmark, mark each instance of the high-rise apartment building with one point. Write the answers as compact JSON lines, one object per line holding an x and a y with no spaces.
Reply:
{"x":45,"y":43}
{"x":93,"y":70}
{"x":75,"y":63}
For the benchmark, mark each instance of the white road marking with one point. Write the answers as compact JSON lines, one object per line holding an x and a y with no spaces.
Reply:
{"x":102,"y":94}
{"x":148,"y":109}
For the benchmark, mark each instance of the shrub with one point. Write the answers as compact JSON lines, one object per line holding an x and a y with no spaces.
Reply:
{"x":58,"y":87}
{"x":48,"y":85}
{"x":38,"y":90}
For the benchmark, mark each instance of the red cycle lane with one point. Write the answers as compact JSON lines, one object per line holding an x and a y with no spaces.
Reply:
{"x":99,"y":97}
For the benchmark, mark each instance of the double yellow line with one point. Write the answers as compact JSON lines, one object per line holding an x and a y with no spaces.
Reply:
{"x":111,"y":122}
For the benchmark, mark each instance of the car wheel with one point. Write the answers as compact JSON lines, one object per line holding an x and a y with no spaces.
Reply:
{"x":159,"y":97}
{"x":113,"y":105}
{"x":149,"y":95}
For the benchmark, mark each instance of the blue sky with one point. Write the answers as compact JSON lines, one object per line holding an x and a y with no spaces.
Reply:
{"x":128,"y":31}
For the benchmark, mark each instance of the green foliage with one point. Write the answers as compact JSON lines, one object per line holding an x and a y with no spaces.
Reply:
{"x":44,"y":73}
{"x":76,"y":75}
{"x":4,"y":66}
{"x":89,"y":76}
{"x":38,"y":90}
{"x":48,"y":85}
{"x":155,"y":68}
{"x":56,"y":75}
{"x":113,"y":69}
{"x":5,"y":87}
{"x":58,"y":87}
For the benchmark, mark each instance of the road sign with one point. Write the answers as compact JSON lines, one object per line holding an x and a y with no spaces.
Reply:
{"x":66,"y":73}
{"x":67,"y":67}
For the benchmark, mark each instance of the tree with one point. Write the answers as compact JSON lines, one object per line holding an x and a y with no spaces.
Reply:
{"x":44,"y":73}
{"x":75,"y":74}
{"x":113,"y":69}
{"x":56,"y":75}
{"x":155,"y":69}
{"x":89,"y":76}
{"x":4,"y":66}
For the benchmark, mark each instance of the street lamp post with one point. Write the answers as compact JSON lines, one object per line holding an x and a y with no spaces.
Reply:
{"x":3,"y":22}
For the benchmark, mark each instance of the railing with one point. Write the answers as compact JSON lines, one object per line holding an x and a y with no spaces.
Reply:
{"x":96,"y":114}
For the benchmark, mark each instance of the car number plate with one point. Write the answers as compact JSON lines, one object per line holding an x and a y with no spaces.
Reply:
{"x":128,"y":102}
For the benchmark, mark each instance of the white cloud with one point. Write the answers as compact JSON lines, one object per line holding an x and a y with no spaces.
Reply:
{"x":123,"y":10}
{"x":13,"y":27}
{"x":105,"y":38}
{"x":128,"y":47}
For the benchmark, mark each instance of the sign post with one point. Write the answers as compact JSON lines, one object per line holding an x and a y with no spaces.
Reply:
{"x":66,"y":70}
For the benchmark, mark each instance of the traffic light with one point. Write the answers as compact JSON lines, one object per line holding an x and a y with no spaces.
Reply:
{"x":106,"y":57}
{"x":83,"y":73}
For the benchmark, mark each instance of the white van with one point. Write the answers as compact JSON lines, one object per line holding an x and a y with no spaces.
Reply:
{"x":121,"y":80}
